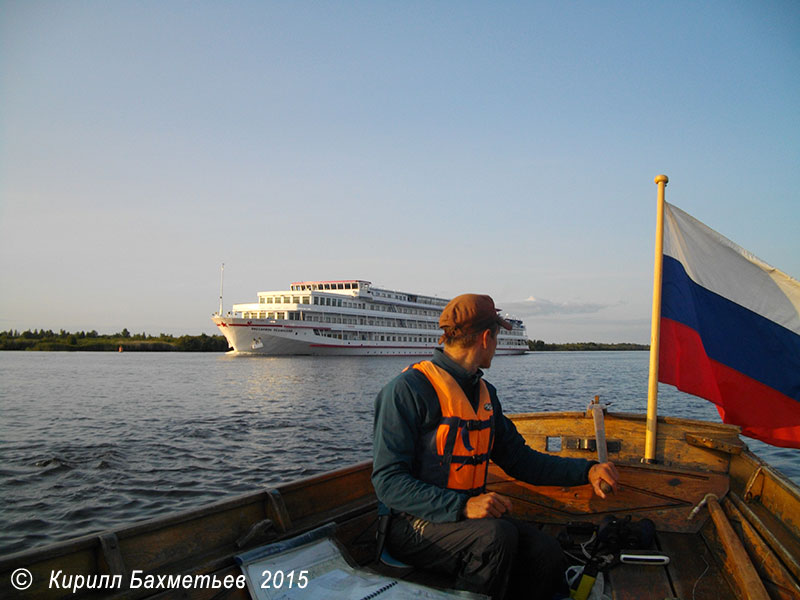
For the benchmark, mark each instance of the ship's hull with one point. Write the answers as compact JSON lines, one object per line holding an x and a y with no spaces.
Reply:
{"x":265,"y":337}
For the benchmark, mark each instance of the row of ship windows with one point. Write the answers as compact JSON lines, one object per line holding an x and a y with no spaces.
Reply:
{"x":355,"y":286}
{"x":407,"y":311}
{"x":343,"y":319}
{"x":325,"y":286}
{"x":375,"y":337}
{"x":349,"y":320}
{"x":420,"y":299}
{"x":338,"y":302}
{"x":284,"y":299}
{"x":321,"y":301}
{"x":389,"y":295}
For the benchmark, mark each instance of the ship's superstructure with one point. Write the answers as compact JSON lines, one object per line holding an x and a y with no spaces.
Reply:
{"x":349,"y":317}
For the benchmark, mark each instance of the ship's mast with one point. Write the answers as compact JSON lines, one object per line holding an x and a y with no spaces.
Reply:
{"x":221,"y":281}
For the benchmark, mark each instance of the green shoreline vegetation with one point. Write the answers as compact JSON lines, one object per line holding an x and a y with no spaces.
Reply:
{"x":541,"y":346}
{"x":91,"y":341}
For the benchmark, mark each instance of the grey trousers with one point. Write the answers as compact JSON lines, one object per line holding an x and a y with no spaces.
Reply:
{"x":504,"y":558}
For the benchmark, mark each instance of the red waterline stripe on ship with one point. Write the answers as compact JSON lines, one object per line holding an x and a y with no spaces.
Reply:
{"x":429,"y":348}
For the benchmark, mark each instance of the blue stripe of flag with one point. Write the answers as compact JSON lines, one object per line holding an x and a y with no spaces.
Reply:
{"x":733,"y":335}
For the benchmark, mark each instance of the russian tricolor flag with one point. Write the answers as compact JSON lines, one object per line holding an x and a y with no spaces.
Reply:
{"x":730,"y":330}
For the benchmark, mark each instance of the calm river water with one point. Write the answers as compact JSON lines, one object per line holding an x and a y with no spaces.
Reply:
{"x":90,"y":441}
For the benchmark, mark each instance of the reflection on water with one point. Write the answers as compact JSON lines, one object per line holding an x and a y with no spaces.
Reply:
{"x":90,"y":441}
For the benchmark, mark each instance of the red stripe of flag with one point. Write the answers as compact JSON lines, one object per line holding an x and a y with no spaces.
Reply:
{"x":683,"y":362}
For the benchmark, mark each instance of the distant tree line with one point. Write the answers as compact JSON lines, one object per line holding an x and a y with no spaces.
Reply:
{"x":48,"y":340}
{"x":541,"y":346}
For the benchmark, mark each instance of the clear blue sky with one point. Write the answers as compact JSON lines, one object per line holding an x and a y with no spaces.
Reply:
{"x":432,"y":147}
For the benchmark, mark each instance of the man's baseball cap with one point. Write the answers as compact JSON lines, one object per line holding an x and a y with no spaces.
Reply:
{"x":469,"y":313}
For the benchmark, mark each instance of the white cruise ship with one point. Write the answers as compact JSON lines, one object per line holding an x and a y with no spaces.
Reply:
{"x":344,"y":318}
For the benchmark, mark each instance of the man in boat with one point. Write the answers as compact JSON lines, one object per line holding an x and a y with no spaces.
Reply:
{"x":437,"y":424}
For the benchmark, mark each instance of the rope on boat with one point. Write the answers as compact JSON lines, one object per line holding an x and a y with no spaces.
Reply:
{"x":700,"y":505}
{"x":694,"y":587}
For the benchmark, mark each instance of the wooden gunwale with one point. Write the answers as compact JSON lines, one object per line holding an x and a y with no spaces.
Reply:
{"x":201,"y":540}
{"x":91,"y":541}
{"x":777,"y":577}
{"x":737,"y":561}
{"x":782,"y":543}
{"x":771,"y":489}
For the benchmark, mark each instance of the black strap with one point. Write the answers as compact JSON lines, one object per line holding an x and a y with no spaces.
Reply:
{"x":473,"y":459}
{"x":450,"y":444}
{"x":471,"y":424}
{"x":464,"y":426}
{"x":383,"y":529}
{"x":491,"y":444}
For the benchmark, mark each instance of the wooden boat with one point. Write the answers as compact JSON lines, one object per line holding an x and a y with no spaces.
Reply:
{"x":695,"y":458}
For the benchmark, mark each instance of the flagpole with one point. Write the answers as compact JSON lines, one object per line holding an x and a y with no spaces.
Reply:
{"x":655,"y":328}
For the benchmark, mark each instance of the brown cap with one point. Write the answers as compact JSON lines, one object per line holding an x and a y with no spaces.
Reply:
{"x":469,"y":313}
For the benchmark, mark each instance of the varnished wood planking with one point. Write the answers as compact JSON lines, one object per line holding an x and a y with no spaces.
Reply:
{"x":671,"y":447}
{"x":778,"y":537}
{"x":780,"y":583}
{"x":712,"y":540}
{"x":692,"y":570}
{"x":767,"y":487}
{"x":159,"y":548}
{"x":666,"y":496}
{"x":634,"y":582}
{"x":311,"y":496}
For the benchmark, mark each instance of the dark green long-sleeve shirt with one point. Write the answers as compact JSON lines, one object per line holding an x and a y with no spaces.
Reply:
{"x":408,"y":406}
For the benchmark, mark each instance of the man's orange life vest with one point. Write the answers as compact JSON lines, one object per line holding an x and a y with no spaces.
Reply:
{"x":455,"y":455}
